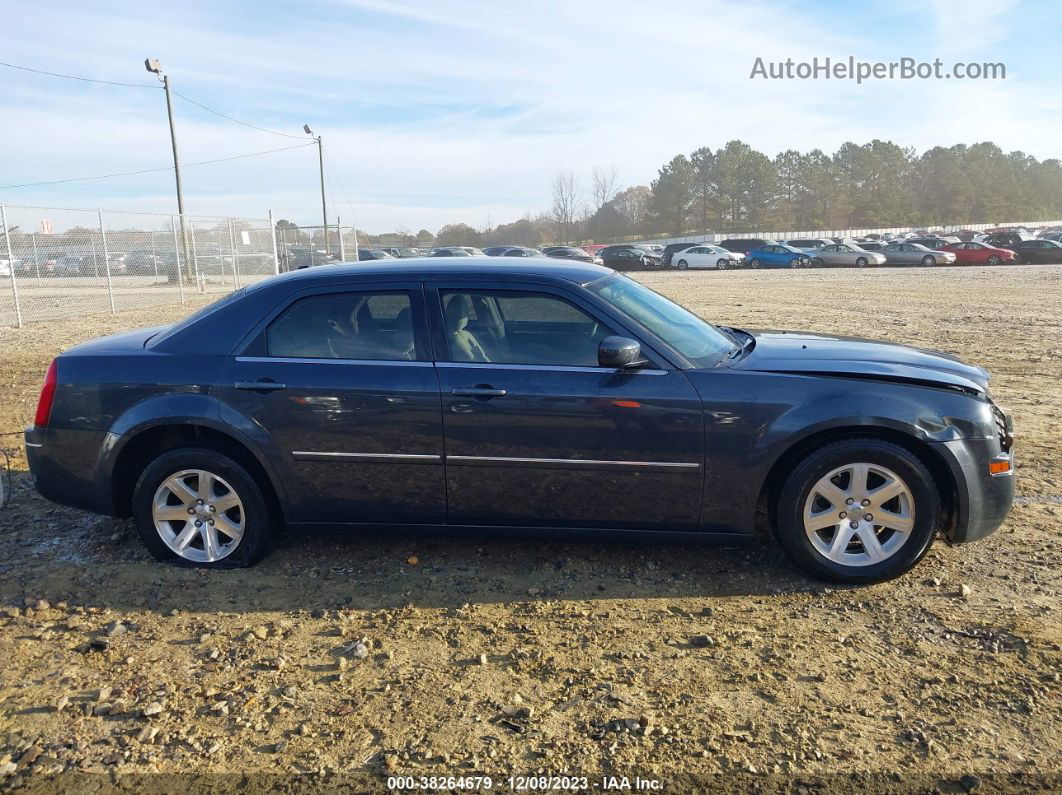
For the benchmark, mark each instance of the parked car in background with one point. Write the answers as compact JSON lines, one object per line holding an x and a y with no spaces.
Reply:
{"x":518,"y":251}
{"x":400,"y":252}
{"x":1009,"y":240}
{"x":1032,"y":251}
{"x":743,"y":245}
{"x":552,"y":396}
{"x":971,"y":253}
{"x":653,"y":248}
{"x":450,"y":251}
{"x":671,"y":248}
{"x":809,"y":245}
{"x":935,"y":243}
{"x":846,"y":255}
{"x":497,"y":251}
{"x":872,"y":245}
{"x":706,"y":255}
{"x":593,"y":248}
{"x":142,"y":263}
{"x":777,"y":255}
{"x":368,"y":254}
{"x":572,"y":253}
{"x":915,"y":254}
{"x":69,"y":265}
{"x":629,"y":259}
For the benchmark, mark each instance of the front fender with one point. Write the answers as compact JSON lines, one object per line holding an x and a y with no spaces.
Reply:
{"x":752,"y":419}
{"x":187,"y":409}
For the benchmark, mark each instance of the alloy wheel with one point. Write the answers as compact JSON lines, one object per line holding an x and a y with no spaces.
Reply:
{"x":859,"y":514}
{"x":198,"y":515}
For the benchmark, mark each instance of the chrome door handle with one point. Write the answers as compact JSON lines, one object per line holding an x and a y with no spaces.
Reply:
{"x":260,"y":386}
{"x":477,"y":391}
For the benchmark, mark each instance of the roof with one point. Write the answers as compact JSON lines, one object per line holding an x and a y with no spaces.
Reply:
{"x":414,"y":267}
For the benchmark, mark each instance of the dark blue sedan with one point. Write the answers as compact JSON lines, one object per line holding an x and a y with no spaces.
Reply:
{"x":777,"y":255}
{"x":516,"y":393}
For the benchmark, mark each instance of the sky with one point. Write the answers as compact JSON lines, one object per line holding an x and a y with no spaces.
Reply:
{"x":457,"y":110}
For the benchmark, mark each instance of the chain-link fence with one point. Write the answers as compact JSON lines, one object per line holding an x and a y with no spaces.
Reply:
{"x":58,"y":263}
{"x":306,"y":246}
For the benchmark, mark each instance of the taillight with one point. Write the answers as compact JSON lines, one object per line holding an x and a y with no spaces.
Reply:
{"x":44,"y":404}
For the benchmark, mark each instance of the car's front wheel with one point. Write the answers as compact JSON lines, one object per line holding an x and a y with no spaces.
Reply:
{"x":994,"y":260}
{"x":683,"y":264}
{"x":721,"y":265}
{"x":928,"y":261}
{"x":859,"y":510}
{"x":861,"y":262}
{"x":199,"y":507}
{"x":754,"y":263}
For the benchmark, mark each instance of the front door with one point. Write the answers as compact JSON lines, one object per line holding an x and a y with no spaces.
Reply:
{"x":537,"y":434}
{"x":343,"y":384}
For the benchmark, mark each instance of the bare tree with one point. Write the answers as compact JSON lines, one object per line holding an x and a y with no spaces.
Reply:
{"x":605,"y":183}
{"x":567,"y":199}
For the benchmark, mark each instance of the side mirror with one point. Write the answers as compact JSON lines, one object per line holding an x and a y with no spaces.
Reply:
{"x":621,"y":353}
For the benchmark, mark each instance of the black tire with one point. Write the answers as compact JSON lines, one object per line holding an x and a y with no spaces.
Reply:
{"x":754,"y":263}
{"x":259,"y":520}
{"x":929,"y":261}
{"x":788,"y":514}
{"x":861,"y":262}
{"x":722,"y":265}
{"x":796,"y":263}
{"x":994,"y":260}
{"x":683,"y":264}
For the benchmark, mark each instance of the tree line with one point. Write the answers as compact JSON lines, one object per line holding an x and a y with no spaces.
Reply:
{"x":738,"y":189}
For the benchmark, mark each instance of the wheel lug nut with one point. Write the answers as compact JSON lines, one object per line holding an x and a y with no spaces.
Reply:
{"x":213,"y":509}
{"x":854,"y":524}
{"x":866,"y":503}
{"x":868,"y":517}
{"x":210,"y":522}
{"x":191,"y":510}
{"x":199,"y":523}
{"x":844,"y":514}
{"x":198,"y":502}
{"x":849,"y":501}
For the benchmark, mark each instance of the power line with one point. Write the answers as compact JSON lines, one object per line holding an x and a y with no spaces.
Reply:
{"x":152,"y":170}
{"x":75,"y":77}
{"x":238,"y":121}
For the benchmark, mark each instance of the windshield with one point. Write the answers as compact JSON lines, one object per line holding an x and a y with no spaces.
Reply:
{"x":700,"y":342}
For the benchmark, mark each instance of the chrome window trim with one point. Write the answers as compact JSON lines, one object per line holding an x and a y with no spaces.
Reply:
{"x":318,"y":455}
{"x":307,"y":360}
{"x":34,"y":444}
{"x":564,"y":368}
{"x":570,"y":462}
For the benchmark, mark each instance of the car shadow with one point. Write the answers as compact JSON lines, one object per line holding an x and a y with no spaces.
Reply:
{"x":63,"y":554}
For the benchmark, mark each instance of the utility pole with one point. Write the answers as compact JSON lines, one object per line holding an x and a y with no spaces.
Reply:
{"x":153,"y":66}
{"x":320,"y":163}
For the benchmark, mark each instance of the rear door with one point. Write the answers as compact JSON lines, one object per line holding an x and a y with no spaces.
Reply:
{"x":342,"y":382}
{"x":537,"y":434}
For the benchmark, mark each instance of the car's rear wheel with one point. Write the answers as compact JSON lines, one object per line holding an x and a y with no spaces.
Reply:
{"x":928,"y":261}
{"x":994,"y":260}
{"x":858,"y":510}
{"x":861,"y":262}
{"x":198,"y":507}
{"x":722,"y":265}
{"x":754,"y":263}
{"x":683,"y":264}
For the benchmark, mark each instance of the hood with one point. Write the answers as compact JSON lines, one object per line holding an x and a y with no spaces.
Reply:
{"x":805,"y":352}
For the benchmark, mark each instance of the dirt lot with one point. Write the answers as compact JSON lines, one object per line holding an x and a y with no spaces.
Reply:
{"x":350,"y":658}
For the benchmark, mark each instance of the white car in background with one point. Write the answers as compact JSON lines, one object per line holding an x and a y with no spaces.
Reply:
{"x":705,"y":255}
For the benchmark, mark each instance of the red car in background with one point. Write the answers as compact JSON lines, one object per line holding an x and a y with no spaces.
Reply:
{"x":979,"y":254}
{"x":593,"y":248}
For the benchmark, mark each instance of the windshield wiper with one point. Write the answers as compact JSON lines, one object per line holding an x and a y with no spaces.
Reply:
{"x":740,"y":349}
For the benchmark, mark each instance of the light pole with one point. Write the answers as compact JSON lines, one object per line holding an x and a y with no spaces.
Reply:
{"x":153,"y":66}
{"x":320,"y":163}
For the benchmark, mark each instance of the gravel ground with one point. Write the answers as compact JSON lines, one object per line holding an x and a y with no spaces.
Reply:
{"x":349,"y":659}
